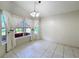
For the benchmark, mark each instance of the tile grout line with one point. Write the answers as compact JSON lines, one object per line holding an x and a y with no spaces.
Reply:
{"x":44,"y":51}
{"x":15,"y":54}
{"x":55,"y":47}
{"x":54,"y":51}
{"x":73,"y":53}
{"x":63,"y":51}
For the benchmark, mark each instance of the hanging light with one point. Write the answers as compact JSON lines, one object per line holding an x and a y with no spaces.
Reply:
{"x":35,"y":13}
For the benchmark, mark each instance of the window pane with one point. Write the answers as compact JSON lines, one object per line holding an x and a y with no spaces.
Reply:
{"x":18,"y":30}
{"x":28,"y":30}
{"x":3,"y":24}
{"x":3,"y":30}
{"x":36,"y":29}
{"x":3,"y":33}
{"x":3,"y":20}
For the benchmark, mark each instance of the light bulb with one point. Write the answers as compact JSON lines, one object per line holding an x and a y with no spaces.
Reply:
{"x":37,"y":14}
{"x":33,"y":14}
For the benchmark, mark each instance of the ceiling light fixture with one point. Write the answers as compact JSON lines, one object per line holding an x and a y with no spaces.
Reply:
{"x":35,"y":13}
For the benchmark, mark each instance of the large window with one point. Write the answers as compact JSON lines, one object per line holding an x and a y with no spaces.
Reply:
{"x":3,"y":20}
{"x":3,"y":28}
{"x":27,"y":31}
{"x":18,"y":32}
{"x":23,"y":29}
{"x":36,"y":29}
{"x":3,"y":31}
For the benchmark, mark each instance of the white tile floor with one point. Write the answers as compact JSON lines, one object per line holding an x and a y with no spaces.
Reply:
{"x":43,"y":49}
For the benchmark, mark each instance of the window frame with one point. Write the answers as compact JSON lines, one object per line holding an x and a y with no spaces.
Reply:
{"x":23,"y":33}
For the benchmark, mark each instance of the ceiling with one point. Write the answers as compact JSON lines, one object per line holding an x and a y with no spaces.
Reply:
{"x":46,"y":8}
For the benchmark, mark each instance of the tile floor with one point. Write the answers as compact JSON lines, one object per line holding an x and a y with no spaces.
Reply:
{"x":43,"y":49}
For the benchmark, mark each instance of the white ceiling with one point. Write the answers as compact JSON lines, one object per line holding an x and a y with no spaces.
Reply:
{"x":46,"y":8}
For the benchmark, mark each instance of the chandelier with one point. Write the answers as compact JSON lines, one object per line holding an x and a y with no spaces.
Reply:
{"x":35,"y":13}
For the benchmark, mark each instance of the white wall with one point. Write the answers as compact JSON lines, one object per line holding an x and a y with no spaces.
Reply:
{"x":63,"y":28}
